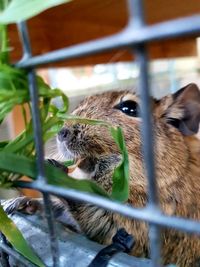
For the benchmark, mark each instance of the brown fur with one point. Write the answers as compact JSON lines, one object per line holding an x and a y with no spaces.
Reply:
{"x":177,"y":171}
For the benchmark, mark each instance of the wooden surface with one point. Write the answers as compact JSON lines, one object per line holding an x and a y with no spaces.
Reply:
{"x":83,"y":20}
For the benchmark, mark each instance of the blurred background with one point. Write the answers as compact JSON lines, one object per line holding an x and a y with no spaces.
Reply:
{"x":173,"y":63}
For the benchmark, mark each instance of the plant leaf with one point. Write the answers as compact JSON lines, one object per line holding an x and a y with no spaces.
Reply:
{"x":120,"y":188}
{"x":19,"y":10}
{"x":14,"y":90}
{"x":14,"y":236}
{"x":3,"y":144}
{"x":26,"y":166}
{"x":82,"y":120}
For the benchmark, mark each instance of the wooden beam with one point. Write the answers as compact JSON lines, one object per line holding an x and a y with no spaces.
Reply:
{"x":83,"y":20}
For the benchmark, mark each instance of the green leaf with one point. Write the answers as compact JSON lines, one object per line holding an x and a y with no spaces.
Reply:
{"x":82,"y":120}
{"x":68,"y":163}
{"x":3,"y":144}
{"x":14,"y":236}
{"x":19,"y":10}
{"x":26,"y":137}
{"x":14,"y":91}
{"x":26,"y":166}
{"x":120,"y":188}
{"x":4,"y":56}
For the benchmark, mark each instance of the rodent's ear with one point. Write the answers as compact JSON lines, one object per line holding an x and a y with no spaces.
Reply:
{"x":184,"y":112}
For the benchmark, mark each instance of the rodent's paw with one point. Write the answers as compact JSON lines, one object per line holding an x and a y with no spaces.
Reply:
{"x":57,"y":164}
{"x":107,"y":163}
{"x":21,"y":204}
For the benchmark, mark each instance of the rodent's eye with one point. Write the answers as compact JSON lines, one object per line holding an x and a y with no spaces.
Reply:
{"x":174,"y":122}
{"x":129,"y":107}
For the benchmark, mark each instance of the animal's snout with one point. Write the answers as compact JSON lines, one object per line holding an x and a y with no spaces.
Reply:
{"x":63,"y":134}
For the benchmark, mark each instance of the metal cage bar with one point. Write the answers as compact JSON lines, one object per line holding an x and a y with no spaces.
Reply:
{"x":38,"y":142}
{"x":145,"y":214}
{"x":9,"y":251}
{"x":4,"y":257}
{"x":148,"y":147}
{"x":137,"y":21}
{"x":127,"y":38}
{"x":135,"y":36}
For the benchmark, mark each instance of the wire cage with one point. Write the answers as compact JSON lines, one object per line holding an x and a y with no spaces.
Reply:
{"x":135,"y":36}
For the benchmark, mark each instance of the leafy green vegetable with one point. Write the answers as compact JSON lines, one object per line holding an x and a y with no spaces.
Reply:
{"x":120,"y":188}
{"x":14,"y":91}
{"x":19,"y":10}
{"x":19,"y":164}
{"x":68,"y":163}
{"x":14,"y":236}
{"x":3,"y":44}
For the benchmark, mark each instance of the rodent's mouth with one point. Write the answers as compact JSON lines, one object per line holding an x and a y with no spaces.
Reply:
{"x":88,"y":165}
{"x":82,"y":169}
{"x":84,"y":165}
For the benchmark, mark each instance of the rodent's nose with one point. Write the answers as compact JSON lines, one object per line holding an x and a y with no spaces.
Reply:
{"x":62,"y":135}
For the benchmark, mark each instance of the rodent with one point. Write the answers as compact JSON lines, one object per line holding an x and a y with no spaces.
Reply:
{"x":176,"y":120}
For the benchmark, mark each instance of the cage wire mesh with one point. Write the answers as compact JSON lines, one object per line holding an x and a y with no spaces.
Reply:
{"x":135,"y":36}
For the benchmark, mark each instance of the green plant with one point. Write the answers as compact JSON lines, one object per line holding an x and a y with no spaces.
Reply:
{"x":17,"y":157}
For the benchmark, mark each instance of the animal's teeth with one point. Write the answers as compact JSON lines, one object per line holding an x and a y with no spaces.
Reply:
{"x":74,"y":166}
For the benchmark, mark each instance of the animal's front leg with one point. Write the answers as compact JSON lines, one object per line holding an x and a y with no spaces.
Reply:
{"x":23,"y":204}
{"x":35,"y":206}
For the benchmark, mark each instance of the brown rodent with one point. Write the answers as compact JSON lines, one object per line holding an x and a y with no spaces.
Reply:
{"x":176,"y":121}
